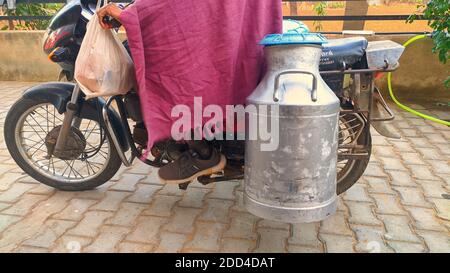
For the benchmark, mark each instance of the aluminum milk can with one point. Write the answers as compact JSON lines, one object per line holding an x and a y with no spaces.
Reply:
{"x":296,"y":182}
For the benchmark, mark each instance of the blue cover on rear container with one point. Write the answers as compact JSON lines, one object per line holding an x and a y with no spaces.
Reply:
{"x":290,"y":38}
{"x":294,"y":26}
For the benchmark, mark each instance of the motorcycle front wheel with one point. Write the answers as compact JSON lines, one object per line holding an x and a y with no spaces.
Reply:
{"x":93,"y":160}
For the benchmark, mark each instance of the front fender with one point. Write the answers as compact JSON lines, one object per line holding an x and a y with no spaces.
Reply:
{"x":60,"y":93}
{"x":57,"y":93}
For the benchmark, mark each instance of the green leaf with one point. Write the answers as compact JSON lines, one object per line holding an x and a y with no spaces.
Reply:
{"x":437,"y":12}
{"x":33,"y":9}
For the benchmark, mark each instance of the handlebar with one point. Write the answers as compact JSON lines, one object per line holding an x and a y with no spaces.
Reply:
{"x":110,"y":21}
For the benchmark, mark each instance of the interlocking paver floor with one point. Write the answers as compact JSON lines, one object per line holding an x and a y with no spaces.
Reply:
{"x":401,"y":204}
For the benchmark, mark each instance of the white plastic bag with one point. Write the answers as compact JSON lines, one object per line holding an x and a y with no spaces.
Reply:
{"x":103,"y":66}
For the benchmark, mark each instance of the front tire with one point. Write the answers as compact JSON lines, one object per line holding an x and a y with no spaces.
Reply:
{"x":40,"y":118}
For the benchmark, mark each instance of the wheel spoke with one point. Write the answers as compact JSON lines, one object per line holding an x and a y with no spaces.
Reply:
{"x":91,"y":132}
{"x":53,"y":164}
{"x":36,"y":132}
{"x":29,"y":139}
{"x":92,"y":165}
{"x":38,"y":123}
{"x":54,"y":116}
{"x":75,"y":170}
{"x":48,"y":128}
{"x":38,"y":149}
{"x":87,"y":127}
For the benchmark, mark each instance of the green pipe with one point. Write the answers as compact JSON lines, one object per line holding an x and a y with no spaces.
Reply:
{"x":404,"y":107}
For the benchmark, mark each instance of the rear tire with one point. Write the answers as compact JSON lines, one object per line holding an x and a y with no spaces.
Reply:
{"x":13,"y":120}
{"x":355,"y":168}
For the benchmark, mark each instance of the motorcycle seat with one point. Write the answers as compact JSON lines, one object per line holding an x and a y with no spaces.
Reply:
{"x":337,"y":51}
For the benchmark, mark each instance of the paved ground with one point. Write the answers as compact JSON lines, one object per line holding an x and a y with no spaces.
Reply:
{"x":401,"y":204}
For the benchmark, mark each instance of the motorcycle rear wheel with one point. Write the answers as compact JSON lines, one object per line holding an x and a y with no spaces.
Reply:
{"x":27,"y":125}
{"x":350,"y":171}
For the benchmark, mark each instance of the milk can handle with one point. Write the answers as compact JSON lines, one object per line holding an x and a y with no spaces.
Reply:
{"x":277,"y":83}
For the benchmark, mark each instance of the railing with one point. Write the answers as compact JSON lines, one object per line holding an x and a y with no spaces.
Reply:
{"x":362,"y":17}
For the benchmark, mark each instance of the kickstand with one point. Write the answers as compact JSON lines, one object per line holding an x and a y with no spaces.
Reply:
{"x":184,"y":186}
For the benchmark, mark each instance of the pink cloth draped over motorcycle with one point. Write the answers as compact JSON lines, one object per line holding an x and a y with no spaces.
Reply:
{"x":196,"y":48}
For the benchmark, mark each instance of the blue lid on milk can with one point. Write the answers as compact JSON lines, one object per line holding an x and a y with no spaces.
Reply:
{"x":294,"y":26}
{"x":295,"y":32}
{"x":294,"y":38}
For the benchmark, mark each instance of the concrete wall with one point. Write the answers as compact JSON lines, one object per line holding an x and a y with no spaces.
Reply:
{"x":420,"y":74}
{"x":22,"y":57}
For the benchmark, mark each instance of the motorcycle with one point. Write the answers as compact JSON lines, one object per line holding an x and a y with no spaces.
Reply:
{"x":67,"y":142}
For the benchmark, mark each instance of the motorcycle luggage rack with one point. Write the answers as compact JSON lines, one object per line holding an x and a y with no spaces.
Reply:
{"x":386,"y":68}
{"x":354,"y":112}
{"x":372,"y":90}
